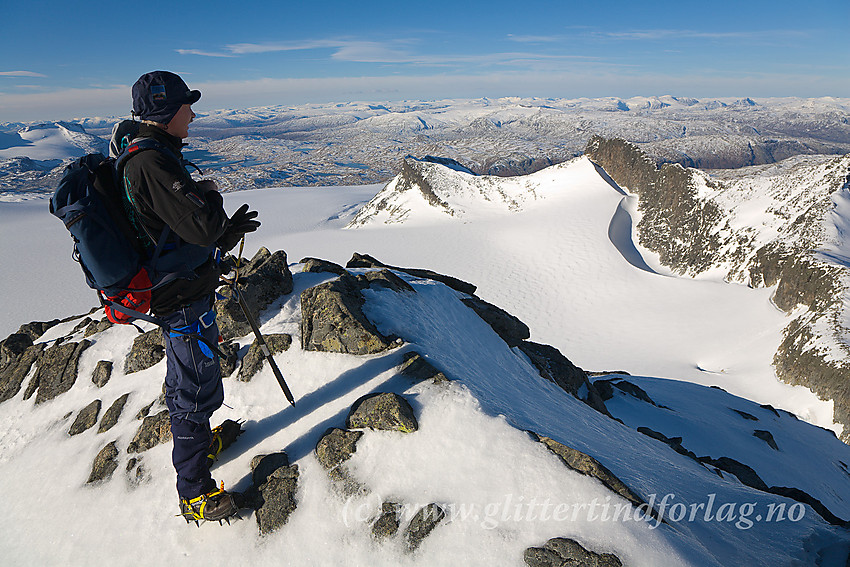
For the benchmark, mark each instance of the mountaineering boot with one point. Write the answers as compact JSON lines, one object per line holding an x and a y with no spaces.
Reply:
{"x":217,"y":505}
{"x":223,"y":437}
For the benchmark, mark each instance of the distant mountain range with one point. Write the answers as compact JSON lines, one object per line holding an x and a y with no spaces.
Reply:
{"x":359,"y":143}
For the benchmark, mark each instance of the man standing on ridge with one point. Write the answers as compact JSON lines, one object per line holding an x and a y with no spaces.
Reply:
{"x":166,"y":200}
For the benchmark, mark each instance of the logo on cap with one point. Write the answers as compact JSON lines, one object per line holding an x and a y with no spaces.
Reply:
{"x":158,"y":92}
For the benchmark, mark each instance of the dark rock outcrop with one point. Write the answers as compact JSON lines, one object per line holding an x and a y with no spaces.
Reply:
{"x":275,"y":484}
{"x":767,"y":437}
{"x":253,"y":360}
{"x":388,"y":521}
{"x":316,"y":265}
{"x":262,"y":281}
{"x":333,"y":320}
{"x":384,"y":279}
{"x":509,"y":328}
{"x":86,"y":418}
{"x":35,"y":329}
{"x":560,"y":552}
{"x":674,"y":443}
{"x":587,"y":465}
{"x":96,"y":327}
{"x":110,"y":418}
{"x":228,"y":364}
{"x":415,"y":367}
{"x":104,"y":464}
{"x":57,"y":371}
{"x":383,"y":411}
{"x":366,"y":261}
{"x":422,"y":524}
{"x":102,"y":373}
{"x":154,"y":431}
{"x":334,"y":448}
{"x":674,"y":222}
{"x":148,"y":349}
{"x":692,"y":234}
{"x":17,"y":355}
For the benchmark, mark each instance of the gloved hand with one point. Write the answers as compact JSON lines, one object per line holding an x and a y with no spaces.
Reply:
{"x":240,"y":223}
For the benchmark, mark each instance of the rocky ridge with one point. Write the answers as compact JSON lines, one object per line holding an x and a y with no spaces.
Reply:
{"x":336,"y":307}
{"x":691,"y":220}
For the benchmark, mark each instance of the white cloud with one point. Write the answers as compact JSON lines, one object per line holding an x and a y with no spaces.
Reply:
{"x":203,"y":53}
{"x":20,"y":74}
{"x":662,"y":34}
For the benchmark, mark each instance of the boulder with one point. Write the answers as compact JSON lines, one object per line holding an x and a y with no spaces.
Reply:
{"x":587,"y":465}
{"x":102,"y":373}
{"x":17,"y":355}
{"x":415,"y":367}
{"x":148,"y":349}
{"x":252,"y":362}
{"x":563,"y":551}
{"x":154,"y":431}
{"x":383,"y":279}
{"x":333,"y":320}
{"x":366,"y":261}
{"x":383,"y":411}
{"x":110,"y":418}
{"x":422,"y":524}
{"x":104,"y":464}
{"x":334,"y":448}
{"x":261,"y":282}
{"x":262,"y":466}
{"x":315,"y":265}
{"x":57,"y":371}
{"x":278,"y":495}
{"x":512,"y":330}
{"x":388,"y":521}
{"x":86,"y":418}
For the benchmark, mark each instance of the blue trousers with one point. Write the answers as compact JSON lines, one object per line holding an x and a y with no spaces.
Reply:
{"x":193,"y":391}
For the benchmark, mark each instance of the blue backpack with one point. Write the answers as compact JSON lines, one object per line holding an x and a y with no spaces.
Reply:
{"x":90,"y":200}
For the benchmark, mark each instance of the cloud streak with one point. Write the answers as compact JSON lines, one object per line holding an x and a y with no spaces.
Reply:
{"x":20,"y":74}
{"x":668,"y":34}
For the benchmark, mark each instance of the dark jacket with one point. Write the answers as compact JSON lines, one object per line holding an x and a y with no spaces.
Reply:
{"x":163,"y":193}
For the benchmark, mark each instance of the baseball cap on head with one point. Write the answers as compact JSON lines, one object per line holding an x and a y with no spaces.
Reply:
{"x":157,"y":96}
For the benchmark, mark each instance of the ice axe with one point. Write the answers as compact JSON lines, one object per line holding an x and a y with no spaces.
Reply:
{"x":264,"y":348}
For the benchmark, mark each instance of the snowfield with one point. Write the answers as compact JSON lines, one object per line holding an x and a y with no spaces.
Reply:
{"x":557,"y":252}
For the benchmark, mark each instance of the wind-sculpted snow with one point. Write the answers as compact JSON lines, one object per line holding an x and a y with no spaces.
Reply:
{"x":358,"y":143}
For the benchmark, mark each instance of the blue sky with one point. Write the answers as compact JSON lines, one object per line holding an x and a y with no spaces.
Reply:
{"x":61,"y":60}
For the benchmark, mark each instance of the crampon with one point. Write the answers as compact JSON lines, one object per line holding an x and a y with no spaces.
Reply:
{"x":218,"y":505}
{"x":223,"y":437}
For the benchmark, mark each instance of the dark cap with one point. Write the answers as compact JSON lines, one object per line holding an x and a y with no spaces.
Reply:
{"x":157,"y":96}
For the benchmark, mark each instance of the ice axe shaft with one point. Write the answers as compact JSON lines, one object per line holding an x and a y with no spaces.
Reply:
{"x":264,"y":348}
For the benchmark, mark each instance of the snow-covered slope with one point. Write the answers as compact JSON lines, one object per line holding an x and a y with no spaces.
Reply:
{"x":50,"y":141}
{"x":562,"y":259}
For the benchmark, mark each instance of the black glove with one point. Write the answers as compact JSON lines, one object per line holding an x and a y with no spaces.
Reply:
{"x":240,"y":223}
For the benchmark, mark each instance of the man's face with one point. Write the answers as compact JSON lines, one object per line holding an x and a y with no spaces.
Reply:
{"x":179,"y":125}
